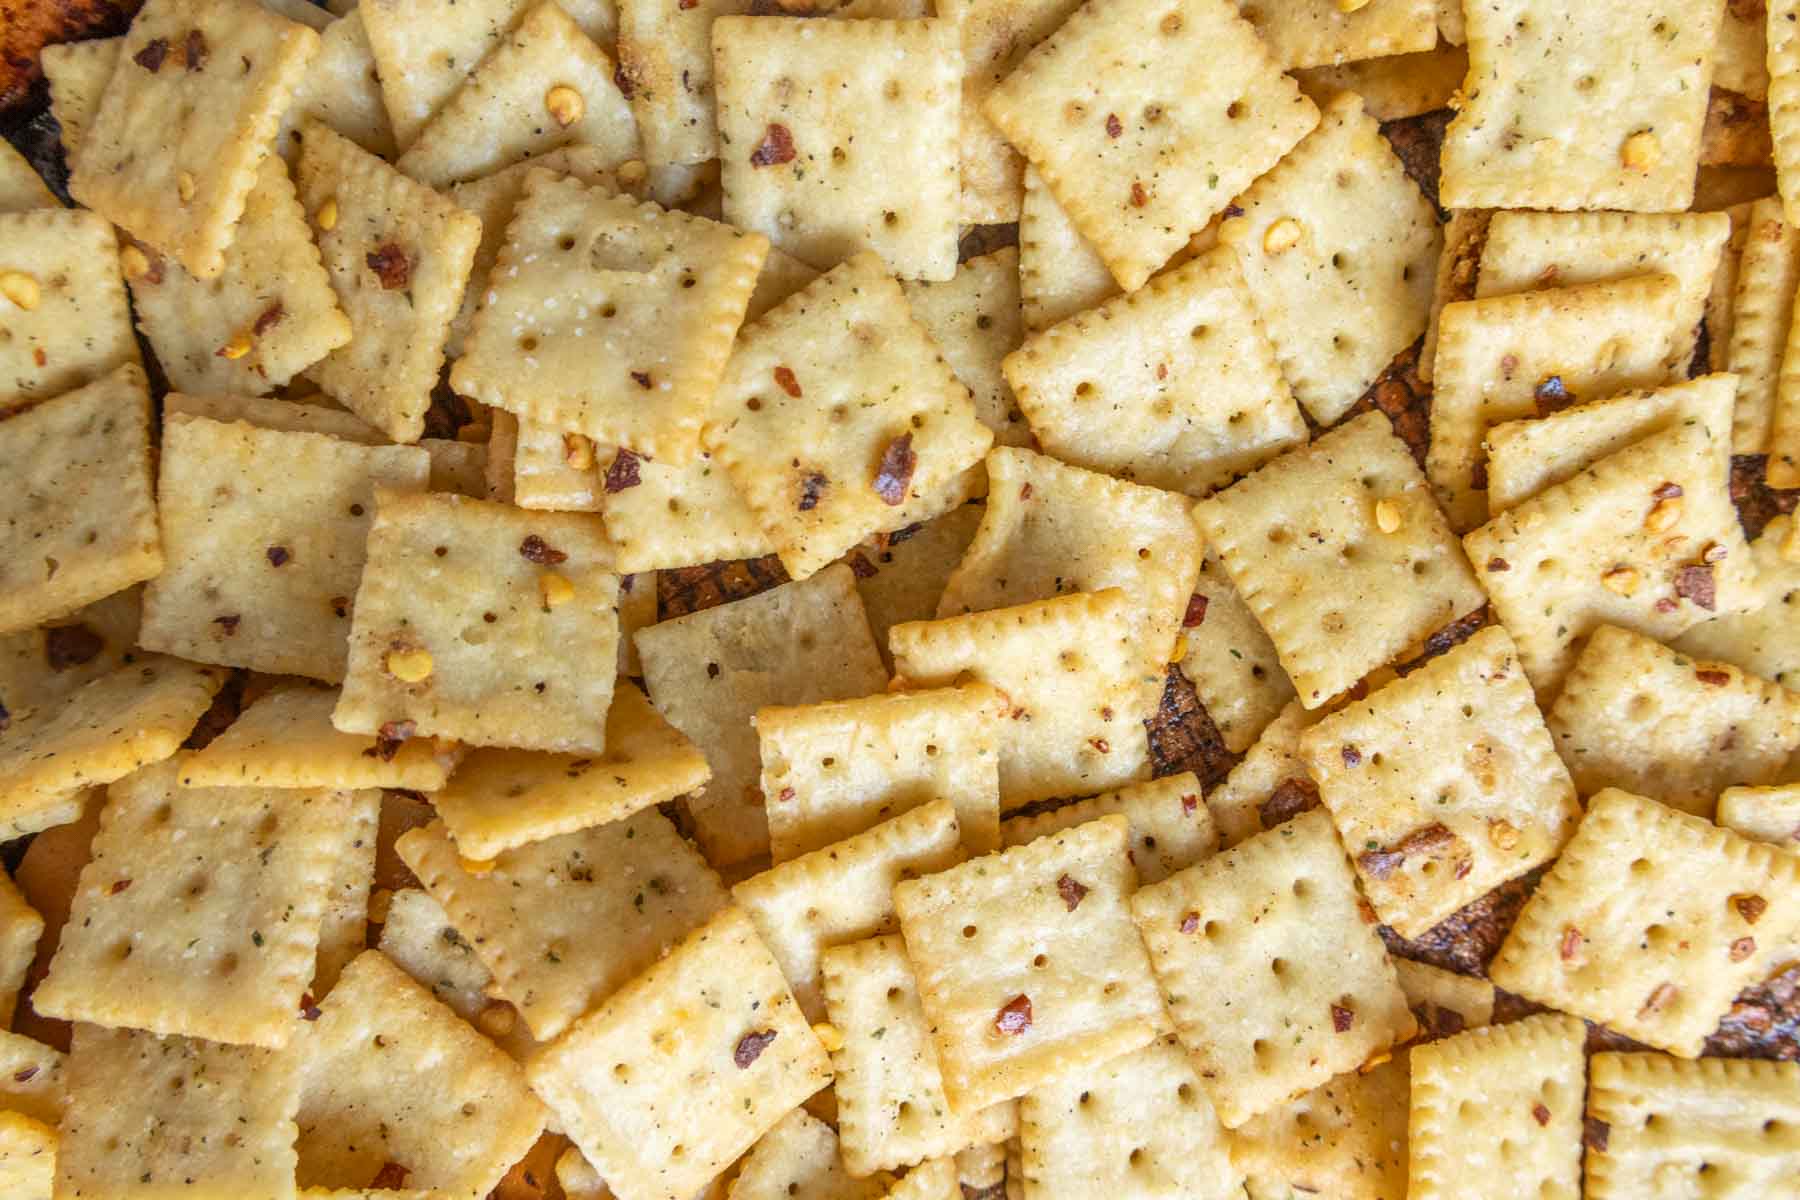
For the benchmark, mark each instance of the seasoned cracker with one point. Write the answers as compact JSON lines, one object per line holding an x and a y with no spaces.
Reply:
{"x":31,"y":1078}
{"x":1175,"y":385}
{"x":934,"y":1179}
{"x":264,"y":534}
{"x":1762,"y":814}
{"x":78,"y":73}
{"x":1346,"y":1138}
{"x":421,"y":940}
{"x":1783,"y":63}
{"x":1741,"y":53}
{"x":1444,"y":1002}
{"x":21,"y":188}
{"x":425,"y":50}
{"x":78,"y":328}
{"x":1650,"y":923}
{"x":27,"y":1156}
{"x":1762,"y":316}
{"x":20,"y":929}
{"x":736,"y":1056}
{"x":799,"y":1158}
{"x":975,"y":320}
{"x":1312,"y":33}
{"x":1137,"y":197}
{"x":269,"y":412}
{"x":1270,"y":784}
{"x":1636,"y":715}
{"x":678,"y":516}
{"x":980,"y":1167}
{"x":1230,"y":660}
{"x":556,"y":471}
{"x":1060,"y":274}
{"x":342,"y":89}
{"x":1170,"y":827}
{"x":1464,"y":235}
{"x":1397,"y":86}
{"x":344,"y":926}
{"x":901,"y":575}
{"x":1719,"y":327}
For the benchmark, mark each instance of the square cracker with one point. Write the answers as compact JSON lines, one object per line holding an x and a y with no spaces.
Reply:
{"x":174,"y":145}
{"x":342,"y":89}
{"x":844,"y":892}
{"x":1588,"y":552}
{"x":837,"y":418}
{"x":1397,"y":86}
{"x":1354,"y":289}
{"x":31,"y":1077}
{"x":1443,"y":784}
{"x":1760,"y":642}
{"x":1230,"y":660}
{"x":1346,"y":1139}
{"x":1314,"y":33}
{"x":1026,"y":963}
{"x":1270,"y":784}
{"x":563,"y":923}
{"x":1444,"y":1002}
{"x":1073,"y":679}
{"x":372,"y":1090}
{"x":1763,"y":814}
{"x":711,"y":671}
{"x":344,"y":925}
{"x":656,"y":1068}
{"x":1312,"y":992}
{"x":1651,"y":922}
{"x":933,"y":1179}
{"x":1337,"y":595}
{"x":285,"y":739}
{"x":1139,"y":1125}
{"x":270,"y":412}
{"x":463,"y":580}
{"x":1762,"y":308}
{"x":268,"y":314}
{"x":199,"y":912}
{"x":799,"y":1159}
{"x":1636,"y":715}
{"x":1525,"y":1079}
{"x":682,"y":516}
{"x":1051,"y":528}
{"x":163,"y":1116}
{"x":980,"y":1167}
{"x":264,"y":533}
{"x":126,"y":719}
{"x":666,"y":60}
{"x":78,"y":327}
{"x":21,"y":187}
{"x":975,"y":319}
{"x":424,"y":50}
{"x":20,"y":929}
{"x":399,"y":255}
{"x":499,"y":800}
{"x":902,"y":574}
{"x":590,"y":279}
{"x":556,"y":471}
{"x":834,"y":769}
{"x":1722,"y":1127}
{"x":1556,"y":93}
{"x":1465,"y":233}
{"x":1189,"y":141}
{"x":27,"y":1156}
{"x":78,"y":73}
{"x":1501,"y":358}
{"x":792,"y":95}
{"x":890,"y":1091}
{"x":419,"y":939}
{"x":1170,"y":827}
{"x":502,"y":115}
{"x":78,"y":521}
{"x":1175,"y":385}
{"x":1060,"y":273}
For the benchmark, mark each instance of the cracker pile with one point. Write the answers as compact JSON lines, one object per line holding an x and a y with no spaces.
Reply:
{"x":904,"y":600}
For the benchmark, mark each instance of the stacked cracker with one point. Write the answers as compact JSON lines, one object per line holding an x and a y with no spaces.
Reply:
{"x":362,"y":865}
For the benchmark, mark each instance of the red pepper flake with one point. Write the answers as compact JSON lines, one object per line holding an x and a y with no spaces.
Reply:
{"x":118,"y":886}
{"x":1380,"y":863}
{"x":1572,"y":942}
{"x":1101,"y":744}
{"x":685,"y":5}
{"x":623,"y":473}
{"x":1595,"y":1133}
{"x":1366,"y":911}
{"x":1189,"y":804}
{"x":24,"y":1075}
{"x":1540,"y":1114}
{"x":1712,"y":678}
{"x":392,"y":1175}
{"x":812,"y":490}
{"x":642,"y":379}
{"x":1743,"y":948}
{"x":1196,"y":612}
{"x":340,"y":606}
{"x":1713,"y":553}
{"x":1071,"y":890}
{"x":195,"y":50}
{"x":785,"y":794}
{"x":751,"y":1046}
{"x":622,"y":81}
{"x":268,"y":319}
{"x":776,"y":148}
{"x":1351,"y":755}
{"x":1024,"y":491}
{"x":227,"y":624}
{"x":1750,"y":907}
{"x":1113,"y":128}
{"x":1190,"y":921}
{"x":1139,"y":197}
{"x":1666,"y":605}
{"x":895,"y":474}
{"x":309,"y":1007}
{"x":390,"y":737}
{"x":1342,"y":1018}
{"x":39,"y":357}
{"x":152,"y":55}
{"x":68,"y":646}
{"x":1552,"y":394}
{"x":1014,"y":1016}
{"x":278,"y":556}
{"x":1289,"y":800}
{"x":390,"y":265}
{"x":860,"y":566}
{"x":536,"y":549}
{"x":1695,"y":583}
{"x":784,"y":379}
{"x":1667,"y":491}
{"x":1661,"y":996}
{"x":1498,"y":564}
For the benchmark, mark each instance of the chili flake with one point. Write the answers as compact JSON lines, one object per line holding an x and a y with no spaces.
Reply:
{"x":896,"y":471}
{"x":1014,"y":1016}
{"x":776,"y":148}
{"x":1072,"y":891}
{"x":751,"y":1046}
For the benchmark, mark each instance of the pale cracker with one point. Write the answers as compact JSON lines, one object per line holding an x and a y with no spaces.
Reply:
{"x":21,"y":187}
{"x":425,"y":50}
{"x":1719,"y":299}
{"x":844,"y":891}
{"x":1026,"y":963}
{"x":27,"y":1156}
{"x":1139,"y":1125}
{"x":199,"y":912}
{"x":1762,"y":316}
{"x":1499,"y":358}
{"x":399,"y":256}
{"x":1444,"y":784}
{"x":1783,"y":62}
{"x":173,"y":147}
{"x":1527,"y":456}
{"x":132,"y":717}
{"x":269,"y":412}
{"x":1312,"y":33}
{"x":271,"y":300}
{"x":782,"y":275}
{"x":837,"y":418}
{"x":681,"y":517}
{"x":563,"y":923}
{"x":456,"y":466}
{"x":814,"y":188}
{"x":833,"y":770}
{"x":1337,"y":595}
{"x":1396,"y":87}
{"x":1555,"y":92}
{"x":1060,"y":274}
{"x":1741,"y":52}
{"x":1763,"y":814}
{"x":499,"y":800}
{"x":1713,"y":1128}
{"x":264,"y":534}
{"x":710,"y":671}
{"x":981,"y":1166}
{"x":1464,"y":235}
{"x":1497,"y":1112}
{"x":1175,"y":385}
{"x":1170,"y":827}
{"x":1635,"y":715}
{"x":799,"y":1159}
{"x":902,"y":574}
{"x":502,"y":115}
{"x":933,"y":1179}
{"x":372,"y":1090}
{"x":344,"y":925}
{"x":890,"y":1091}
{"x":588,"y":276}
{"x":556,"y":471}
{"x":1354,"y":289}
{"x":31,"y":1078}
{"x":79,"y":328}
{"x":1346,"y":1139}
{"x":1315,"y":995}
{"x":1444,"y":1003}
{"x":78,"y":73}
{"x":342,"y":89}
{"x":78,"y":521}
{"x":439,"y":567}
{"x":1139,"y":196}
{"x":20,"y":929}
{"x":1230,"y":660}
{"x":1075,"y":684}
{"x":1270,"y":783}
{"x":716,"y":1000}
{"x":1545,"y":562}
{"x":975,"y":320}
{"x":1651,"y":922}
{"x":666,"y":58}
{"x":164,"y":1116}
{"x":420,"y":939}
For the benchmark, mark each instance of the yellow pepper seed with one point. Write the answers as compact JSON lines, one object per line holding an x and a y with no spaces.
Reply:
{"x":1503,"y":833}
{"x":21,"y":289}
{"x":1621,"y":581}
{"x":477,"y":866}
{"x":1181,"y":648}
{"x":237,"y":347}
{"x":184,"y":184}
{"x":133,"y":262}
{"x":578,"y":451}
{"x":1641,"y":151}
{"x":556,"y":590}
{"x":409,"y":666}
{"x":1664,"y":514}
{"x":1281,"y":235}
{"x":829,"y":1036}
{"x":565,"y":104}
{"x":1387,"y":516}
{"x":327,"y":215}
{"x":1350,"y":6}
